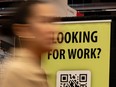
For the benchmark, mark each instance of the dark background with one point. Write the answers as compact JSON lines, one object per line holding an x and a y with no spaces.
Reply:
{"x":88,"y":1}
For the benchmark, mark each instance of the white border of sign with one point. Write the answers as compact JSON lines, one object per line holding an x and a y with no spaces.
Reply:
{"x":90,"y":21}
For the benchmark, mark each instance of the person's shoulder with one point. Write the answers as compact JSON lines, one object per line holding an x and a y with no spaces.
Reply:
{"x":12,"y":66}
{"x":17,"y":70}
{"x":24,"y":68}
{"x":25,"y":71}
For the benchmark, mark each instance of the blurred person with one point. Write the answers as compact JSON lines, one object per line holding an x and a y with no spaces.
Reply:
{"x":32,"y":27}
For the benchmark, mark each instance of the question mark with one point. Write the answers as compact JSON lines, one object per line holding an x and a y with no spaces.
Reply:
{"x":99,"y":51}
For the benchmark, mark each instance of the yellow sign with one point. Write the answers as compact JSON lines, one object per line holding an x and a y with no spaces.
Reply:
{"x":81,"y":57}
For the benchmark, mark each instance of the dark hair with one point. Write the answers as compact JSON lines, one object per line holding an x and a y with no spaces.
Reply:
{"x":19,"y":16}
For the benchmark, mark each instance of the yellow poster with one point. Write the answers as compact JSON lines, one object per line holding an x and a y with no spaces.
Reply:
{"x":81,"y":57}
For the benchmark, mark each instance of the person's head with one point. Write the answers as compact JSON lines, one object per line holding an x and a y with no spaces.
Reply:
{"x":33,"y":23}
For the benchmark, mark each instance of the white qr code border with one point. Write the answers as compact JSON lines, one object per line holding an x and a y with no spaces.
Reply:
{"x":66,"y":78}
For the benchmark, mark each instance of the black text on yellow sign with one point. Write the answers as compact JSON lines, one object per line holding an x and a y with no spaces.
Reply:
{"x":76,"y":53}
{"x":76,"y":37}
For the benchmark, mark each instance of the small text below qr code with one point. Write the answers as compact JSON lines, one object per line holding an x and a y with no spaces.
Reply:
{"x":77,"y":78}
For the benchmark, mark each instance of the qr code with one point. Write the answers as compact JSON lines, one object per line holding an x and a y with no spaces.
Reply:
{"x":73,"y":78}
